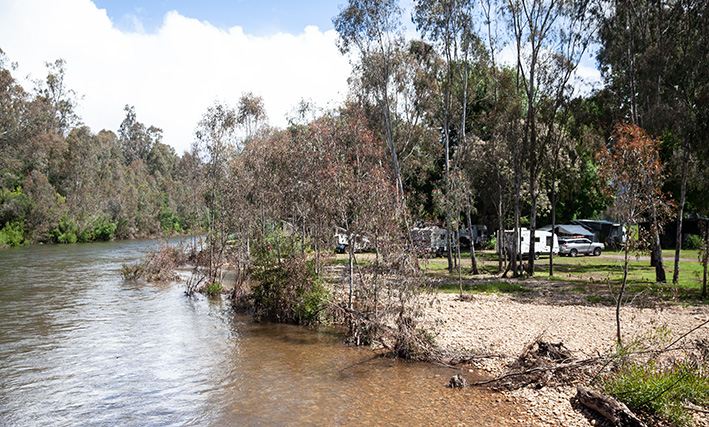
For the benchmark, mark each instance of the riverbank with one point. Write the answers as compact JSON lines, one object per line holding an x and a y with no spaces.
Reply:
{"x":504,"y":324}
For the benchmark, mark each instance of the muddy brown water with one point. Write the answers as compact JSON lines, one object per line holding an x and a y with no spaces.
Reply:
{"x":80,"y":346}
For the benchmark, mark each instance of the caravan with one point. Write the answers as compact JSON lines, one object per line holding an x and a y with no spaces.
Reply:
{"x":543,"y":243}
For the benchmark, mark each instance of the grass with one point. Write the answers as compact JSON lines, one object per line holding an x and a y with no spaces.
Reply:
{"x":582,"y":271}
{"x":661,"y":392}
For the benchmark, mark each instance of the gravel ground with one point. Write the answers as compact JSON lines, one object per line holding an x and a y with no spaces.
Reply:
{"x":506,"y":324}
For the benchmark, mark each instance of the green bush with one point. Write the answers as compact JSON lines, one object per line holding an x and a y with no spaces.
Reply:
{"x":104,"y":230}
{"x":169,"y":222}
{"x":66,"y":231}
{"x":661,"y":392}
{"x":492,"y":243}
{"x":694,"y":242}
{"x":12,"y":234}
{"x":214,"y":288}
{"x":289,"y":292}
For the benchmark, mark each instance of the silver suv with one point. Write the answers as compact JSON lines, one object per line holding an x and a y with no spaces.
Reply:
{"x":580,"y":245}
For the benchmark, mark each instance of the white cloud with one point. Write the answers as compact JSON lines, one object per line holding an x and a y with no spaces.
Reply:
{"x":173,"y":75}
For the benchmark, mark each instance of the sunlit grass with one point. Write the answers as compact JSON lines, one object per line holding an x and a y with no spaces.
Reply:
{"x":604,"y":271}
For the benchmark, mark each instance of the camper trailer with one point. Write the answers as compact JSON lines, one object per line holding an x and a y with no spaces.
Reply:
{"x":341,"y":241}
{"x":544,"y":243}
{"x":478,"y":236}
{"x":431,"y":239}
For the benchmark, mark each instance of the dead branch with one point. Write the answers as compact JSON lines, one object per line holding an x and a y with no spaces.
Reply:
{"x":575,"y":364}
{"x":684,"y":335}
{"x":696,"y":408}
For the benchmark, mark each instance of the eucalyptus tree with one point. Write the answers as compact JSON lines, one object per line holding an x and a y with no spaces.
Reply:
{"x":216,"y":141}
{"x":632,"y":170}
{"x":654,"y":57}
{"x":136,"y":140}
{"x":450,"y":25}
{"x":549,"y":37}
{"x":251,"y":112}
{"x":372,"y":28}
{"x":61,"y":100}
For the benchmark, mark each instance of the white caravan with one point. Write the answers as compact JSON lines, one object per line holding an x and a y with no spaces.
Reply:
{"x":542,"y":242}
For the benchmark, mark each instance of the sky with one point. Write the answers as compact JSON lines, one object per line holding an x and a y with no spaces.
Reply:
{"x":173,"y":59}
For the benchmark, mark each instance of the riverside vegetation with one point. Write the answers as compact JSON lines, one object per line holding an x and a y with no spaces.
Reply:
{"x":436,"y":129}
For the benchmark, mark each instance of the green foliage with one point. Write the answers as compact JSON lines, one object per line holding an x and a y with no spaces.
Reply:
{"x":658,"y":391}
{"x":289,"y":292}
{"x":12,"y":234}
{"x":214,"y":288}
{"x":169,"y":222}
{"x":66,"y":231}
{"x":491,"y":244}
{"x":13,"y":205}
{"x":694,"y":242}
{"x":104,"y":230}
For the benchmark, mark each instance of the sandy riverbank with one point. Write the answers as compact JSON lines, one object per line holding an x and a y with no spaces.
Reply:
{"x":505,"y":324}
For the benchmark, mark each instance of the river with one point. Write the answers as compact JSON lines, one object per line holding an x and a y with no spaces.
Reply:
{"x":81,"y":346}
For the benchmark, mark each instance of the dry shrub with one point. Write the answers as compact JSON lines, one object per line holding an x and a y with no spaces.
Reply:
{"x":387,"y":305}
{"x":159,"y":266}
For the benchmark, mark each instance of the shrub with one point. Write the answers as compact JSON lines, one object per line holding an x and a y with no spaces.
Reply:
{"x":66,"y":231}
{"x":661,"y":392}
{"x":694,"y":242}
{"x":214,"y":288}
{"x":104,"y":230}
{"x":159,"y":266}
{"x":132,"y":271}
{"x":289,"y":292}
{"x":12,"y":234}
{"x":492,"y":243}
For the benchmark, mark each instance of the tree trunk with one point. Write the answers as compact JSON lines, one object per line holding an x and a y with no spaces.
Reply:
{"x":515,"y":245}
{"x":553,"y":227}
{"x":390,"y":139}
{"x":351,"y":252}
{"x":622,"y":291}
{"x":680,"y":213}
{"x":473,"y":260}
{"x":460,"y":274}
{"x":705,"y":258}
{"x":501,"y":233}
{"x":657,"y":249}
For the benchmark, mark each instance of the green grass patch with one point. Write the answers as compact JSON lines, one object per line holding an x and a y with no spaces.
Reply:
{"x":660,"y":392}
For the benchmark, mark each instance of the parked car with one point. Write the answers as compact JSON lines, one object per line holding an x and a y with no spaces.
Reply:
{"x":580,"y":245}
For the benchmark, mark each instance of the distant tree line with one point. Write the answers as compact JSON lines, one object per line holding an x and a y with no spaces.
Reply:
{"x":61,"y":183}
{"x":461,"y":136}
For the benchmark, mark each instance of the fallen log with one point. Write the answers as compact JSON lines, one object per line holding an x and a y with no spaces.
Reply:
{"x":614,"y":411}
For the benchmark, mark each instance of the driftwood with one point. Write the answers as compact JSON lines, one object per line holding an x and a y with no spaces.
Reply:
{"x":575,"y":364}
{"x":695,"y":408}
{"x":614,"y":411}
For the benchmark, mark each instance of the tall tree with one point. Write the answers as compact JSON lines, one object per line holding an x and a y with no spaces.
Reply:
{"x":654,"y":59}
{"x":447,"y":23}
{"x":550,"y":38}
{"x":373,"y":29}
{"x":216,"y":140}
{"x":136,"y":140}
{"x":633,"y":173}
{"x":251,"y":112}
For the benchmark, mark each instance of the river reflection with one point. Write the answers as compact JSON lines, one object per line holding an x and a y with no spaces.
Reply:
{"x":80,"y":346}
